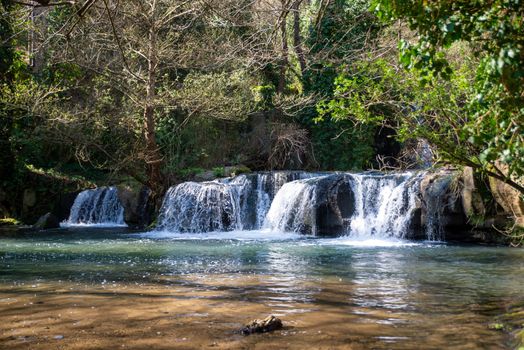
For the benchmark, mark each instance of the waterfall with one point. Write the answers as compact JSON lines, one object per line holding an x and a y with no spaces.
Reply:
{"x":384,"y":204}
{"x":293,"y":208}
{"x":99,"y":206}
{"x":377,"y":205}
{"x":239,"y":203}
{"x":268,"y":186}
{"x":437,"y":203}
{"x":200,"y":207}
{"x":363,"y":205}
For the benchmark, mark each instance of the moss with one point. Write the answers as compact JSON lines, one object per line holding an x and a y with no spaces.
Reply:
{"x":219,"y":171}
{"x":189,"y":172}
{"x":240,"y":169}
{"x":9,"y":222}
{"x":152,"y":225}
{"x":496,"y":326}
{"x":58,"y":176}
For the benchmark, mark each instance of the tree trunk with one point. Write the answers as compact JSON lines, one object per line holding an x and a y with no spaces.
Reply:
{"x":284,"y":52}
{"x":153,"y":157}
{"x":297,"y":39}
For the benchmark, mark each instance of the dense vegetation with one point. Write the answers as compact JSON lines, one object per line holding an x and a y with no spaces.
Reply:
{"x":159,"y":90}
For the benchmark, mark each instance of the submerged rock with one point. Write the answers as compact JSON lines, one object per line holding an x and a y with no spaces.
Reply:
{"x":268,"y":324}
{"x":46,"y":222}
{"x":512,"y":321}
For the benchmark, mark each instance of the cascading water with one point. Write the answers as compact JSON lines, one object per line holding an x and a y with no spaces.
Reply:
{"x":268,"y":186}
{"x":384,"y":204}
{"x":200,"y":207}
{"x":99,"y":206}
{"x":365,"y":205}
{"x":240,"y":203}
{"x":293,"y":208}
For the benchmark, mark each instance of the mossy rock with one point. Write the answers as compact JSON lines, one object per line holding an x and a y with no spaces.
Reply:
{"x":9,"y":222}
{"x":240,"y":169}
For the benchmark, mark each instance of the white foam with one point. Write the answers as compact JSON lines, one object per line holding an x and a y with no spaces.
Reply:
{"x":252,"y":235}
{"x":99,"y":207}
{"x":368,"y":242}
{"x":65,"y":224}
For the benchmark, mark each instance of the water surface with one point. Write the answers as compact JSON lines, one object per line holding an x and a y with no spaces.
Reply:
{"x":85,"y":288}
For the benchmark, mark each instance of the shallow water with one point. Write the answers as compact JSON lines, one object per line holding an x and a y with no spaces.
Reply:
{"x":192,"y":291}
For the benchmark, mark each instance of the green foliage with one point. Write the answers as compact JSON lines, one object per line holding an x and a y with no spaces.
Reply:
{"x":226,"y":95}
{"x":342,"y":32}
{"x":494,"y":109}
{"x":219,"y":171}
{"x":241,"y":169}
{"x":516,"y":239}
{"x":187,"y":173}
{"x":60,"y":176}
{"x":263,"y":96}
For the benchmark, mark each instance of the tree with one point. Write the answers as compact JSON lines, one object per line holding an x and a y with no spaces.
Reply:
{"x":491,"y":120}
{"x":148,"y":57}
{"x":338,"y":33}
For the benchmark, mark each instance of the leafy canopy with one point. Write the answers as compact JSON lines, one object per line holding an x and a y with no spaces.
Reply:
{"x":495,"y":32}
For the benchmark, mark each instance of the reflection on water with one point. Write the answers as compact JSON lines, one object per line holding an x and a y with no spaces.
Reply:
{"x":373,"y":294}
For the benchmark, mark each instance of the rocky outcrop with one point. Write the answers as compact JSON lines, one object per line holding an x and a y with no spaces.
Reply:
{"x":28,"y":202}
{"x":453,"y":207}
{"x":508,"y":198}
{"x":221,"y":172}
{"x":47,"y":221}
{"x":442,"y":212}
{"x":334,"y":205}
{"x":470,"y":195}
{"x":137,"y":206}
{"x":63,"y":205}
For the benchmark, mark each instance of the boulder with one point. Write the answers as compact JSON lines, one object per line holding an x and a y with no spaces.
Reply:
{"x":334,"y":205}
{"x":47,"y":221}
{"x":136,"y":205}
{"x":63,"y":205}
{"x":268,"y":324}
{"x":28,"y":203}
{"x":208,"y":175}
{"x":471,"y":198}
{"x":442,"y":213}
{"x":508,"y":198}
{"x":29,"y":199}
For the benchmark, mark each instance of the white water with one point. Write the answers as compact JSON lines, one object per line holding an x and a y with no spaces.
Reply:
{"x":240,"y":203}
{"x":201,"y":207}
{"x":292,"y":209}
{"x":238,"y":235}
{"x":97,"y":207}
{"x":382,"y":206}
